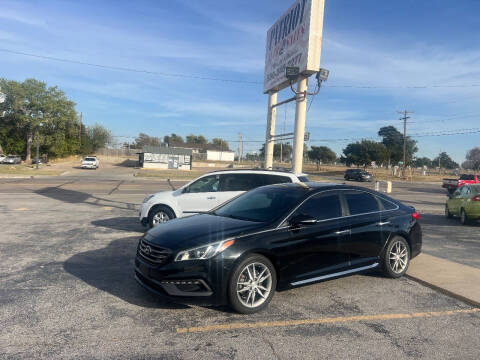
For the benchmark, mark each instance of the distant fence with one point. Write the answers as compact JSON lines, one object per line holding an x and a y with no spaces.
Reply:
{"x":117,"y":152}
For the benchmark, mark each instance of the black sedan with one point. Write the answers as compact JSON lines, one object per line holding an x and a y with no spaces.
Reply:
{"x":277,"y":237}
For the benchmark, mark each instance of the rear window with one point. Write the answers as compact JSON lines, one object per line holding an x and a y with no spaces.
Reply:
{"x":388,"y":205}
{"x":361,"y":203}
{"x":467,"y":177}
{"x":239,"y":182}
{"x":89,"y":159}
{"x":276,"y":179}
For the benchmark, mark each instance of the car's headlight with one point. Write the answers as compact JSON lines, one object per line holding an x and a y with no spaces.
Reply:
{"x":204,"y":252}
{"x":148,"y":198}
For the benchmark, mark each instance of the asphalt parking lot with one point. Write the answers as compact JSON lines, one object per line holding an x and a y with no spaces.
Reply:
{"x":67,"y":290}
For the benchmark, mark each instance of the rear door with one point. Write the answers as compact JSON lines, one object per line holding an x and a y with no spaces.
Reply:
{"x":365,"y":241}
{"x":234,"y":184}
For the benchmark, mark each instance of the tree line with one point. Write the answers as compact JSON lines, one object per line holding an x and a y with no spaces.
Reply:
{"x":34,"y":112}
{"x":175,"y":140}
{"x":387,"y":152}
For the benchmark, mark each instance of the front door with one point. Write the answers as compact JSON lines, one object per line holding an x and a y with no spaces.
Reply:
{"x":316,"y":249}
{"x":200,"y":195}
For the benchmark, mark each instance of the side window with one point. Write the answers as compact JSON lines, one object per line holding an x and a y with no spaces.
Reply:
{"x":457,"y":192}
{"x":303,"y":179}
{"x":321,"y":207}
{"x":275,"y":179}
{"x":387,"y":205}
{"x":239,"y":182}
{"x":361,"y":203}
{"x":205,"y":184}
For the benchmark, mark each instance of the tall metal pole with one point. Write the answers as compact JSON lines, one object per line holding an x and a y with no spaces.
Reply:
{"x":271,"y":118}
{"x":38,"y":145}
{"x":300,"y":114}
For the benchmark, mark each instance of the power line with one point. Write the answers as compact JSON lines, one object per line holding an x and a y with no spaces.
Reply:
{"x":201,"y":77}
{"x":128,"y":69}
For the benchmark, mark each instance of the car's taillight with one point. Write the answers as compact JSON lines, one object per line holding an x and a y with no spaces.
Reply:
{"x":476,"y":198}
{"x":416,"y":215}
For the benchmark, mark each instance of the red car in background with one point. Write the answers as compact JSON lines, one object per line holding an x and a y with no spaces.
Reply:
{"x":452,"y":184}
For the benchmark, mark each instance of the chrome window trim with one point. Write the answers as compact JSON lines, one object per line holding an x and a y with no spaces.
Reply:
{"x":328,"y":276}
{"x":342,"y":217}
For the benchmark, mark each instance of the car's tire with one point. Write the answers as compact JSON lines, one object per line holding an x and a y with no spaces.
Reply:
{"x":448,"y":214}
{"x":246,"y":283}
{"x":159,"y":214}
{"x":396,"y":257}
{"x":464,"y":217}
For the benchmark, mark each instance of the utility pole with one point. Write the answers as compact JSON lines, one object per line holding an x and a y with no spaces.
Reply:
{"x":240,"y":147}
{"x":80,"y":133}
{"x":405,"y":118}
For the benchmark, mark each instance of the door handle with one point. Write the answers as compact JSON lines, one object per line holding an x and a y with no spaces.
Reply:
{"x":383,"y":223}
{"x":211,"y":198}
{"x":343,"y":232}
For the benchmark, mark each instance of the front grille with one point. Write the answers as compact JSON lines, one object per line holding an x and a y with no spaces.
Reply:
{"x":152,"y":253}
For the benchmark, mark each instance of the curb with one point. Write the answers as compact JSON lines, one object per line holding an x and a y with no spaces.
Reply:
{"x":444,"y":291}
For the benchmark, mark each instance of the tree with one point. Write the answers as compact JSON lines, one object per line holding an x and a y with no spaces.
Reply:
{"x":33,"y":110}
{"x":173,"y":139}
{"x":220,"y":144}
{"x":94,"y":138}
{"x":473,"y":158}
{"x":144,"y":139}
{"x":196,"y":139}
{"x":322,"y":154}
{"x":445,"y":161}
{"x":422,"y":161}
{"x":364,"y":152}
{"x":393,"y":141}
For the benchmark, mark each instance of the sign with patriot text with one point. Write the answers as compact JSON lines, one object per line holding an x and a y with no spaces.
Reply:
{"x":294,"y":40}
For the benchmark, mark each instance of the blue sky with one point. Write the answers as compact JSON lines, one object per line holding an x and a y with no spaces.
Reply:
{"x":389,"y":45}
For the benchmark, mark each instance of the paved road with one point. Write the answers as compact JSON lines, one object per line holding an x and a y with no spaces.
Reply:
{"x":67,"y":290}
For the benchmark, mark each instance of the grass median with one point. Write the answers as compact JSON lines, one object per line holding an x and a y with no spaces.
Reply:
{"x":27,"y":170}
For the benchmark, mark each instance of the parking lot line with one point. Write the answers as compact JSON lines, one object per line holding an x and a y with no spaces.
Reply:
{"x":21,"y":209}
{"x":284,"y":323}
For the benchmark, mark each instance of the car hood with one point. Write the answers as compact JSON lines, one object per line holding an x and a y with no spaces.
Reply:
{"x":198,"y":230}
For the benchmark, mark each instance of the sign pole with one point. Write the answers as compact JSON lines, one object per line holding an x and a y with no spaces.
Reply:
{"x":271,"y":118}
{"x":300,"y":115}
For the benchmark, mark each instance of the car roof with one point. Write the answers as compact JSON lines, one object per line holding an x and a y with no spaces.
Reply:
{"x":258,"y":171}
{"x":318,"y":186}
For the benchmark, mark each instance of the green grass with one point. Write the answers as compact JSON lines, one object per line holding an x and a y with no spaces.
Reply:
{"x":171,"y":174}
{"x":26,"y":170}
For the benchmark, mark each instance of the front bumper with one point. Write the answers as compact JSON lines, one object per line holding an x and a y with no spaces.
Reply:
{"x":190,"y":282}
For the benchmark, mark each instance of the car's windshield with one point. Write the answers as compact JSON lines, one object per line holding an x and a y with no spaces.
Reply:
{"x":263,"y":204}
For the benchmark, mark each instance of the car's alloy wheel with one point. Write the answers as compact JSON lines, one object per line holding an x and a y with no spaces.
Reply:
{"x":396,"y":257}
{"x":448,"y":214}
{"x":252,"y":284}
{"x":463,"y":217}
{"x":159,"y":215}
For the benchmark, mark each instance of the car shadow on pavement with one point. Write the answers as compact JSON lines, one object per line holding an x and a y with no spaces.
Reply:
{"x":111,"y":269}
{"x":124,"y":223}
{"x":436,"y":219}
{"x":77,"y":197}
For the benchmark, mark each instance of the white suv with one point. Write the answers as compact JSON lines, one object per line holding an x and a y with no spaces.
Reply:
{"x":207,"y":192}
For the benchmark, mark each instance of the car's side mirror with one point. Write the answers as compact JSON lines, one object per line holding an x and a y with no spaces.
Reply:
{"x":302,"y":219}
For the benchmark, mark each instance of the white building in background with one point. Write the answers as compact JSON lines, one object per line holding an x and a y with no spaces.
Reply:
{"x":216,"y":155}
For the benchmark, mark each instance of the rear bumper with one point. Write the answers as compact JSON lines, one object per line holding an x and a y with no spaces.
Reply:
{"x":89,"y":166}
{"x":416,"y":239}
